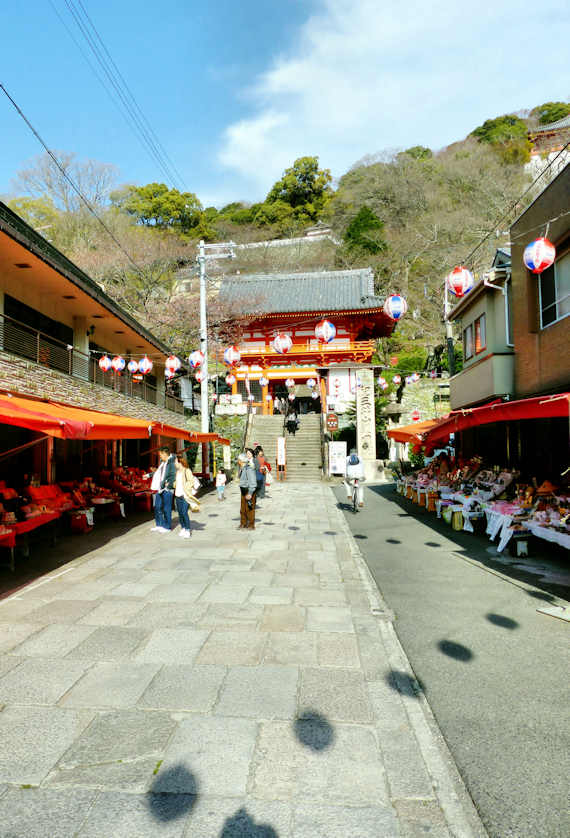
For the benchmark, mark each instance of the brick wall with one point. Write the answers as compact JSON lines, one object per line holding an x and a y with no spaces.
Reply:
{"x":30,"y":379}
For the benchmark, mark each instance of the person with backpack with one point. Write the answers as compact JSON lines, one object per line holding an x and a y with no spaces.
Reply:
{"x":248,"y":490}
{"x":354,"y":471}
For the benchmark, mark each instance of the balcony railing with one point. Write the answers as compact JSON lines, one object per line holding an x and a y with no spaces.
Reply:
{"x":26,"y":342}
{"x":342,"y":345}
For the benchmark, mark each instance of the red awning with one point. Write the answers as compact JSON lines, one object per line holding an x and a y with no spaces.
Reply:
{"x":412,"y":433}
{"x":223,"y":441}
{"x":538,"y":407}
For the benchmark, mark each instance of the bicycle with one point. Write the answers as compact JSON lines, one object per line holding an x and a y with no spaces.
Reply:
{"x":355,"y":496}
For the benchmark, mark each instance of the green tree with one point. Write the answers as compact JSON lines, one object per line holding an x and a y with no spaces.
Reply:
{"x":158,"y":206}
{"x":40,"y":213}
{"x":303,"y":184}
{"x":419,"y":152}
{"x":364,"y":233}
{"x":551,"y":112}
{"x":502,"y":129}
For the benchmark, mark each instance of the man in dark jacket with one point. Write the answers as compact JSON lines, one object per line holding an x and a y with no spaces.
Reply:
{"x":248,"y":490}
{"x":163,"y":498}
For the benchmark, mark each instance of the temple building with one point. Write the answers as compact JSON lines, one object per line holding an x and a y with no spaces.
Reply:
{"x":292,"y":304}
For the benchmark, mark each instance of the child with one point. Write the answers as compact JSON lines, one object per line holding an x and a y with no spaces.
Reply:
{"x":221,"y":484}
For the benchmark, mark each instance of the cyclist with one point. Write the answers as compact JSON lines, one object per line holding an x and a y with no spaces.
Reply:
{"x":354,"y":471}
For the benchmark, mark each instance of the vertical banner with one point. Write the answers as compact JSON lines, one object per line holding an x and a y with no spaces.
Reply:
{"x":227,"y":452}
{"x":337,"y":458}
{"x":365,"y":415}
{"x":281,"y":451}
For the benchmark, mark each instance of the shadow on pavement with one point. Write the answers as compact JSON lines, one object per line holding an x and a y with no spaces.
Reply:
{"x":314,"y":731}
{"x":403,"y":683}
{"x":242,"y":825}
{"x":455,"y":650}
{"x":167,"y":806}
{"x":503,"y":622}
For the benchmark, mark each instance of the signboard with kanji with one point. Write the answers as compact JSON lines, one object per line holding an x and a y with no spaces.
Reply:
{"x":332,"y":422}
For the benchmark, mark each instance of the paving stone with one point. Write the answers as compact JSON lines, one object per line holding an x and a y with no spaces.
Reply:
{"x":136,"y":590}
{"x":329,"y":618}
{"x":112,"y":612}
{"x":160,"y":577}
{"x":263,"y":692}
{"x":54,"y":641}
{"x":373,"y":657}
{"x":235,"y":594}
{"x":112,"y":685}
{"x":418,"y":818}
{"x":339,"y":694}
{"x":176,"y":593}
{"x":37,"y":813}
{"x":8,"y":662}
{"x":172,"y":645}
{"x":34,"y":738}
{"x":16,"y":609}
{"x":292,"y":647}
{"x":233,"y":648}
{"x":109,"y":643}
{"x":338,"y":650}
{"x":316,"y":596}
{"x":61,"y":611}
{"x":250,"y":578}
{"x":234,"y":817}
{"x":198,"y":577}
{"x":272,"y":596}
{"x":168,"y":615}
{"x":192,"y":689}
{"x":314,"y":821}
{"x":283,"y":618}
{"x":118,"y":751}
{"x":82,"y":590}
{"x":138,"y":816}
{"x":275,"y":565}
{"x":216,"y":751}
{"x":236,"y":617}
{"x":297,"y":580}
{"x":40,"y":681}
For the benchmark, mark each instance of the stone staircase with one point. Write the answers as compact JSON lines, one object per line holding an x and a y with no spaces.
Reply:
{"x":304,"y":461}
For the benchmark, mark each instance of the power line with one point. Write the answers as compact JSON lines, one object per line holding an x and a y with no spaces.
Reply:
{"x":70,"y":181}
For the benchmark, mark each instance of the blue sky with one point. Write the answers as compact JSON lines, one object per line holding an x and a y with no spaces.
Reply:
{"x":237,"y":90}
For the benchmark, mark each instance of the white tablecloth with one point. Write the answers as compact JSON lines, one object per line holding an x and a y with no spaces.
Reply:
{"x":549,"y":534}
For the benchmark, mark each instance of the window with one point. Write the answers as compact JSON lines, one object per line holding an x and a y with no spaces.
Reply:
{"x":480,"y":334}
{"x":509,"y":313}
{"x":554,"y":292}
{"x":468,"y":342}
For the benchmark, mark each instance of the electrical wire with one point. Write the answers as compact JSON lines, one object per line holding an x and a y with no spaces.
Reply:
{"x":70,"y":181}
{"x":540,"y":226}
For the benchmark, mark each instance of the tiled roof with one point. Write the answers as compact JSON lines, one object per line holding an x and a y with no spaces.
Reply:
{"x":554,"y":126}
{"x":314,"y":291}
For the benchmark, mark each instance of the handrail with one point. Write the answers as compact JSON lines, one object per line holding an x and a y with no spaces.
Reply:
{"x":247,"y":418}
{"x":323,"y":444}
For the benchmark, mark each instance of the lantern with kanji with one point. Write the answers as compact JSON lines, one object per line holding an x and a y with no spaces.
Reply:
{"x":397,"y":379}
{"x":289,"y":382}
{"x":539,"y":255}
{"x":282,"y":343}
{"x":133,"y":366}
{"x":232,"y":356}
{"x":172,"y":364}
{"x":460,"y":281}
{"x":230,"y":379}
{"x":311,"y":383}
{"x":196,"y":359}
{"x":105,"y":363}
{"x":145,"y":365}
{"x":263,"y":381}
{"x":325,"y":331}
{"x":395,"y":307}
{"x":118,"y":363}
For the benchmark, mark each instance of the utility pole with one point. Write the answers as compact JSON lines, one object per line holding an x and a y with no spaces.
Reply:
{"x":449,"y":333}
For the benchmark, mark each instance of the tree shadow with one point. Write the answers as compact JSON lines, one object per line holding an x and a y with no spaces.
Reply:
{"x":403,"y":683}
{"x":242,"y":825}
{"x":455,"y":650}
{"x":361,"y":536}
{"x":330,"y":532}
{"x":269,"y":523}
{"x":173,"y":793}
{"x":545,"y":597}
{"x":500,"y":620}
{"x":293,"y":528}
{"x":393,"y":541}
{"x":314,"y":731}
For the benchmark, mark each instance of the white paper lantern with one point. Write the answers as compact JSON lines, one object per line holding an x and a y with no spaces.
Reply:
{"x":381,"y":381}
{"x":198,"y":376}
{"x":196,"y":359}
{"x":314,"y":395}
{"x":311,"y":383}
{"x":282,"y":343}
{"x":172,"y":364}
{"x":250,"y":397}
{"x":269,"y":397}
{"x":289,"y":382}
{"x":168,"y":374}
{"x":133,"y":366}
{"x":397,"y":379}
{"x":230,"y":379}
{"x":263,"y":381}
{"x":460,"y":281}
{"x":118,"y":363}
{"x":395,"y":306}
{"x":325,"y":331}
{"x":145,"y":365}
{"x":232,"y":356}
{"x":539,"y":255}
{"x":105,"y":363}
{"x":415,"y":377}
{"x":291,"y":397}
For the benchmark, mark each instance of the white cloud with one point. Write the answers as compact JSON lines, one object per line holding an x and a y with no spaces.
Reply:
{"x":370,"y":74}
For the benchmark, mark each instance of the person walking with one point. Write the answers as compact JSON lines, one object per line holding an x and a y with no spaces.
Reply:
{"x":183,"y":494}
{"x":221,"y":480}
{"x":248,"y":489}
{"x":258,"y":460}
{"x":163,"y":482}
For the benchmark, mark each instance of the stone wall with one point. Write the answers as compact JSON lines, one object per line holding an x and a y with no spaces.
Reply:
{"x":30,"y":379}
{"x":420,"y":397}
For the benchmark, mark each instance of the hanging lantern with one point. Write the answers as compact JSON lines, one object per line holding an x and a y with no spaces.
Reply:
{"x":460,"y":281}
{"x":311,"y":383}
{"x":397,"y":379}
{"x":168,"y":374}
{"x":314,"y":395}
{"x":198,"y":376}
{"x":381,"y":381}
{"x":230,"y":379}
{"x":196,"y":358}
{"x":395,"y":307}
{"x":433,"y":374}
{"x":232,"y":356}
{"x":291,"y":397}
{"x":250,"y":397}
{"x":282,"y":343}
{"x":539,"y":255}
{"x":408,"y":379}
{"x":263,"y":381}
{"x":133,"y":366}
{"x":145,"y":365}
{"x":105,"y":363}
{"x":325,"y":331}
{"x":385,"y":385}
{"x":118,"y":363}
{"x":269,"y":397}
{"x":415,"y":377}
{"x":289,"y":382}
{"x":172,"y":364}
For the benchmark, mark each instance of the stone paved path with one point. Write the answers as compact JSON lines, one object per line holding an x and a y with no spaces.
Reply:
{"x":237,"y":684}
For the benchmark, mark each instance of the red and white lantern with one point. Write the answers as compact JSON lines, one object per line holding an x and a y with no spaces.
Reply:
{"x":232,"y":356}
{"x":269,"y":397}
{"x":145,"y":365}
{"x":289,"y":382}
{"x":263,"y":381}
{"x":118,"y":363}
{"x":314,"y":395}
{"x":381,"y":381}
{"x":198,"y":376}
{"x":416,"y":416}
{"x":460,"y":281}
{"x":168,"y":374}
{"x":325,"y":331}
{"x":433,"y":374}
{"x":105,"y":363}
{"x":311,"y":383}
{"x":230,"y":379}
{"x":291,"y":397}
{"x":415,"y":377}
{"x":385,"y":385}
{"x":133,"y":366}
{"x":539,"y":255}
{"x":397,"y":379}
{"x":196,"y":359}
{"x":408,"y":379}
{"x":395,"y":307}
{"x":172,"y":364}
{"x":250,"y":397}
{"x":282,"y":343}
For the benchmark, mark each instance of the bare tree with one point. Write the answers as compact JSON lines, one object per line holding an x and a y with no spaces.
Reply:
{"x":42,"y":178}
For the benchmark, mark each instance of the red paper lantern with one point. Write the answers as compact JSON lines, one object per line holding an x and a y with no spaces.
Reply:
{"x":282,"y":343}
{"x":460,"y":281}
{"x":196,"y":359}
{"x":232,"y":356}
{"x":416,"y":416}
{"x":397,"y":379}
{"x":172,"y":364}
{"x":230,"y":379}
{"x":325,"y":331}
{"x":198,"y":376}
{"x":105,"y":363}
{"x":539,"y":255}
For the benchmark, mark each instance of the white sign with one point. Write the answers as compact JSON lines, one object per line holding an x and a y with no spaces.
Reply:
{"x":337,"y":458}
{"x":365,"y":416}
{"x":281,"y":451}
{"x":227,"y":452}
